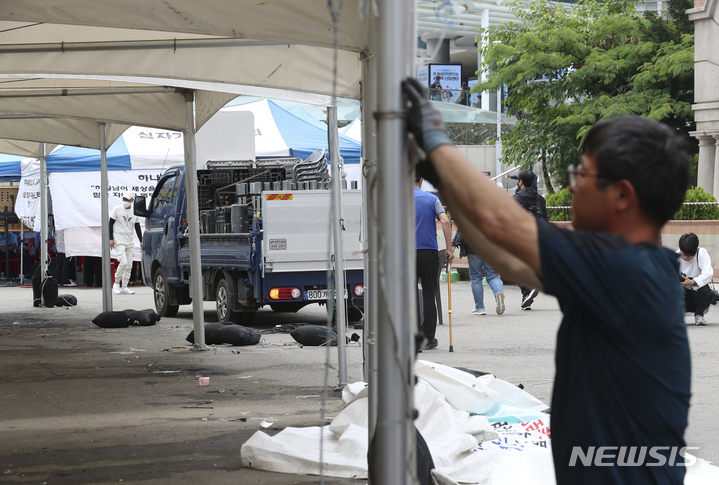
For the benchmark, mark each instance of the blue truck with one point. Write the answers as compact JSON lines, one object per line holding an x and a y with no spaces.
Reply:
{"x":265,"y":238}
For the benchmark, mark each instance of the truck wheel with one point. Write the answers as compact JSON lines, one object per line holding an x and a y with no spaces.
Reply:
{"x":162,"y":295}
{"x":225,"y":314}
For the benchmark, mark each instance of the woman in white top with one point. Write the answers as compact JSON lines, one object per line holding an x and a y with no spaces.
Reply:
{"x":695,"y":265}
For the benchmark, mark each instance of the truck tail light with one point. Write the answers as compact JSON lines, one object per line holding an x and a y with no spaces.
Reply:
{"x":358,"y":290}
{"x":285,"y":293}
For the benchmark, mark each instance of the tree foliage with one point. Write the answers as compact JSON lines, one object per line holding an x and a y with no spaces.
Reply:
{"x":563,"y":198}
{"x":698,"y":212}
{"x":560,"y":198}
{"x":567,"y":67}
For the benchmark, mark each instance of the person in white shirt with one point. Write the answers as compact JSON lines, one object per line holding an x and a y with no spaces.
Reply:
{"x":122,"y":221}
{"x":697,"y":272}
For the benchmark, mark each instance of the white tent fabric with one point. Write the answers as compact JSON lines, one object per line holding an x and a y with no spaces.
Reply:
{"x":307,"y":22}
{"x":27,"y":206}
{"x":509,"y":443}
{"x":354,"y":130}
{"x":135,"y":162}
{"x":451,"y":431}
{"x":219,"y":51}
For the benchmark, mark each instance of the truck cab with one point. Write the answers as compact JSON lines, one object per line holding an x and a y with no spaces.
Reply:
{"x":265,"y":238}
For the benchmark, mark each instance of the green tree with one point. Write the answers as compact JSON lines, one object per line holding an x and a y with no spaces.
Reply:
{"x":560,"y":198}
{"x":567,"y":67}
{"x":698,"y":212}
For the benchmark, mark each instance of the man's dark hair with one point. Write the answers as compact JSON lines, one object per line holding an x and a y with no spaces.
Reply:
{"x":646,"y":153}
{"x":417,"y":178}
{"x":688,"y":244}
{"x":527,"y":178}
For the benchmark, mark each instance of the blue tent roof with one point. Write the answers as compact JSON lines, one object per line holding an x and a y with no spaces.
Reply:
{"x":10,"y":168}
{"x":74,"y":159}
{"x":302,"y":114}
{"x":304,"y":137}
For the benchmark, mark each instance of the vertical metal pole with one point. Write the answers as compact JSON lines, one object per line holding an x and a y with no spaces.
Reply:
{"x":498,"y":145}
{"x":21,"y":249}
{"x":397,"y":319}
{"x":43,"y":218}
{"x":483,"y":72}
{"x":369,"y":201}
{"x":192,"y":212}
{"x":334,"y":146}
{"x":104,"y":207}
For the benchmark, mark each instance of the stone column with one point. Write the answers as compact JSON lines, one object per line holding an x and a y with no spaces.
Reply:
{"x":705,"y":169}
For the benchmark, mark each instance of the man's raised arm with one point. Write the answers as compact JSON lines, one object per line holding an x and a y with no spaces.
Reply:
{"x":494,"y":225}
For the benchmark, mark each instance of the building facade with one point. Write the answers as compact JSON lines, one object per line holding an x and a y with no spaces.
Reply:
{"x":706,"y":91}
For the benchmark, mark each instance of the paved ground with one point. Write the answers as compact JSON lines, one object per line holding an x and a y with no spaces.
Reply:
{"x":85,"y":405}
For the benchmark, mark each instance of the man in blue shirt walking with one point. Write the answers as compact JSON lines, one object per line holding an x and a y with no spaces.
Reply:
{"x":429,"y":209}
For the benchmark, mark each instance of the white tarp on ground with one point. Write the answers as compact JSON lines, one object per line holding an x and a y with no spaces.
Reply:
{"x":466,"y":447}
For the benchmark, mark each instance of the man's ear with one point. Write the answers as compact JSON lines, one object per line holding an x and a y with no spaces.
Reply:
{"x":625,"y":194}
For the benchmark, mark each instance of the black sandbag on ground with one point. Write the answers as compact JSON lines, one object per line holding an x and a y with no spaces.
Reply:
{"x":211,"y":335}
{"x":142,"y":318}
{"x":66,"y":300}
{"x":238,"y":335}
{"x":314,"y":335}
{"x":111,"y":320}
{"x":49,"y":291}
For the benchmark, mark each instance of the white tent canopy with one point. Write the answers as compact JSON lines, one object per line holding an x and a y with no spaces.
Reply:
{"x":290,"y":46}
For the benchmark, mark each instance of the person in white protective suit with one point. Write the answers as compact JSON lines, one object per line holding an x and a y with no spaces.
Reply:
{"x":122,"y":221}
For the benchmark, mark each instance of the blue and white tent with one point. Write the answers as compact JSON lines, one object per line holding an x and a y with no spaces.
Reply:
{"x":302,"y":114}
{"x":353,"y":130}
{"x":280,"y":133}
{"x":10,"y":167}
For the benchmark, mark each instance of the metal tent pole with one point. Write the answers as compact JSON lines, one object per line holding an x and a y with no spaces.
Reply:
{"x":397,"y":319}
{"x":483,"y":73}
{"x":498,"y":146}
{"x":21,"y":249}
{"x":104,"y":207}
{"x":369,"y":217}
{"x":193,"y":225}
{"x":43,"y":218}
{"x":337,"y":224}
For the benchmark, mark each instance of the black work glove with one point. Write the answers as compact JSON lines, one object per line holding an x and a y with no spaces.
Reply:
{"x":425,"y":124}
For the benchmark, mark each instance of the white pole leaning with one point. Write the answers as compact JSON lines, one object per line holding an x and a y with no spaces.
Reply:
{"x":104,"y":208}
{"x":43,"y":219}
{"x":498,"y":145}
{"x":369,"y":219}
{"x":193,"y":224}
{"x":338,"y":243}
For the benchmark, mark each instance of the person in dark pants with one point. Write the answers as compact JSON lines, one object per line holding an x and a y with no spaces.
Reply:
{"x":623,"y":366}
{"x":697,"y":271}
{"x":93,"y":271}
{"x":429,"y":209}
{"x":528,"y":197}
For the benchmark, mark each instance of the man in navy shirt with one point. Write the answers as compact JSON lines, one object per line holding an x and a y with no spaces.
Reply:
{"x":622,"y":385}
{"x":428,"y":209}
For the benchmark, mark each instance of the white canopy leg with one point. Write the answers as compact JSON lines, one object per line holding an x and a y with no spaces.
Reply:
{"x":106,"y":267}
{"x":193,"y":225}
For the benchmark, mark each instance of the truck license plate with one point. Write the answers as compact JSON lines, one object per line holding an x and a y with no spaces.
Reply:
{"x":321,"y":294}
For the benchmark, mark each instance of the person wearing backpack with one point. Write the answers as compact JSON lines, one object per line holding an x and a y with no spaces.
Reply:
{"x":695,"y":267}
{"x":528,"y":197}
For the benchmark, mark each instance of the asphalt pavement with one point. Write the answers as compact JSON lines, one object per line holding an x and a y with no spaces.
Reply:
{"x":275,"y":379}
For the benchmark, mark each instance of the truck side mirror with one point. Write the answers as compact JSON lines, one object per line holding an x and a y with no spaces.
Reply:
{"x":140,"y":207}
